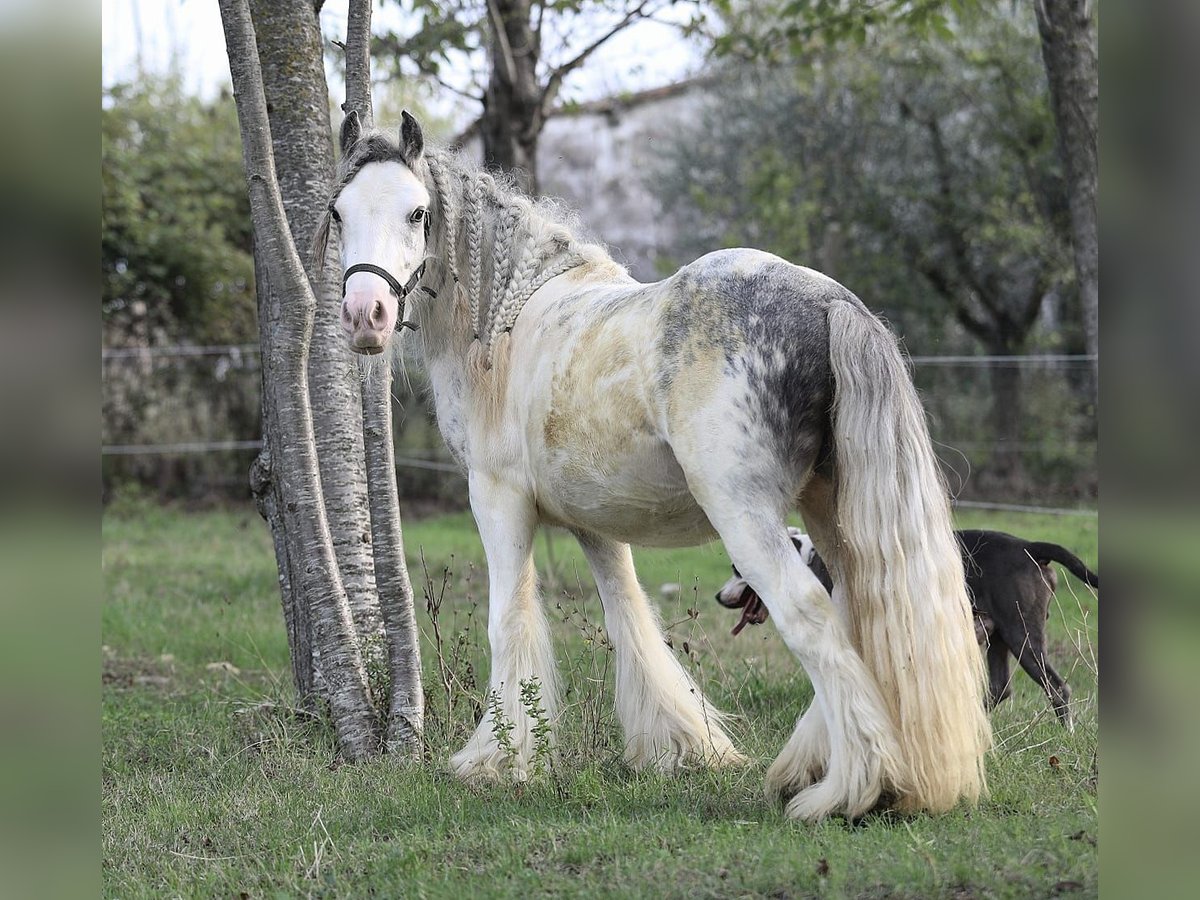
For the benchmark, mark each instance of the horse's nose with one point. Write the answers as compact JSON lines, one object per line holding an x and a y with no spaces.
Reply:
{"x":377,"y":317}
{"x":363,"y":311}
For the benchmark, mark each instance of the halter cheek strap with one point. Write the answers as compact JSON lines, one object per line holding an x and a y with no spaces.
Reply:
{"x":399,"y":290}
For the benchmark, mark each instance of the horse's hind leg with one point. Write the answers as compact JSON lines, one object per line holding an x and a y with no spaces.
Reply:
{"x":803,"y":758}
{"x":746,"y":502}
{"x":667,"y":721}
{"x":519,"y":635}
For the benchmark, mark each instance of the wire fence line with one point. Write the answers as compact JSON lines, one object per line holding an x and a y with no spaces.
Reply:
{"x":189,"y":447}
{"x":187,"y":351}
{"x":1017,"y":507}
{"x":186,"y":447}
{"x":436,"y":466}
{"x":176,"y":418}
{"x":179,"y":350}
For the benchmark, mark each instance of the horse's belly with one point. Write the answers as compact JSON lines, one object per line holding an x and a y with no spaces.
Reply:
{"x":636,"y":494}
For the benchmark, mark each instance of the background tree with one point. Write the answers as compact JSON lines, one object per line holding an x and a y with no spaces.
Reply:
{"x":517,"y":54}
{"x":1068,"y":34}
{"x":176,"y":267}
{"x":772,"y":30}
{"x":922,"y":174}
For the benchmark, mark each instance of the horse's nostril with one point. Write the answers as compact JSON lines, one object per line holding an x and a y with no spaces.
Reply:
{"x":377,"y":317}
{"x":347,"y":318}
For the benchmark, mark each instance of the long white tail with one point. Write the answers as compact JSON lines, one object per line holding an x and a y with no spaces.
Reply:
{"x":900,"y":568}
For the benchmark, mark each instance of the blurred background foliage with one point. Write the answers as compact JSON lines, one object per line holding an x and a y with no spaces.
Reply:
{"x":176,"y":244}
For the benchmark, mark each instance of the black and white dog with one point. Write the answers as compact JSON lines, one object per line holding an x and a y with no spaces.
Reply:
{"x":1011,"y":584}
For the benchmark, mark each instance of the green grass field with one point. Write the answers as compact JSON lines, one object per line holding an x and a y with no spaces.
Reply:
{"x":213,"y":785}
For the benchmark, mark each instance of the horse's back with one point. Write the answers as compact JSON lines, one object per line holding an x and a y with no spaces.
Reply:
{"x":744,"y":336}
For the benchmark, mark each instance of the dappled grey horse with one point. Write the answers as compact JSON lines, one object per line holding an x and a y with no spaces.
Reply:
{"x":709,"y":404}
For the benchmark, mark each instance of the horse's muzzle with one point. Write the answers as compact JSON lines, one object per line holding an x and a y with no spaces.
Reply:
{"x":368,"y":319}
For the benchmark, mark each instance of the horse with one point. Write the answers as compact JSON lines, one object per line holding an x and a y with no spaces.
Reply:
{"x":709,"y":404}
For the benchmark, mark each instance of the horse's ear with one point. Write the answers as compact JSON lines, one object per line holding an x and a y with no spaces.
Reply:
{"x":412,"y":140}
{"x":351,"y":131}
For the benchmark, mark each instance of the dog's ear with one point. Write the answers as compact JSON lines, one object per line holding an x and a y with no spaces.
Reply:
{"x":804,"y":546}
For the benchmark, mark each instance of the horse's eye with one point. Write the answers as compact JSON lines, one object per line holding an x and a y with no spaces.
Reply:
{"x":334,"y":213}
{"x":417,"y":216}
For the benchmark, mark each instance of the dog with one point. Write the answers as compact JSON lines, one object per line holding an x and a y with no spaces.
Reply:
{"x":1010,"y":582}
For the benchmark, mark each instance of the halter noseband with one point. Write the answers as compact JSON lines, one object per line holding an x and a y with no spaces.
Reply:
{"x":399,"y":290}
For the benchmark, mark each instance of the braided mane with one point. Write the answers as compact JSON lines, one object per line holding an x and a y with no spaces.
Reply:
{"x":500,"y":245}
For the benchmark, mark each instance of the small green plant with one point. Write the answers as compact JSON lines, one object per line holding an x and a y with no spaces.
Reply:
{"x":543,"y":738}
{"x":502,"y":725}
{"x":379,"y":678}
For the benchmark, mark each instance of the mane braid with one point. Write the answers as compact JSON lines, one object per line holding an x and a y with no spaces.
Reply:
{"x":503,"y":264}
{"x":474,"y":219}
{"x":438,"y":174}
{"x":498,"y":246}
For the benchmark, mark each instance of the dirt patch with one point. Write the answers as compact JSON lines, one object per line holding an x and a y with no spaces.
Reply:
{"x":127,"y":674}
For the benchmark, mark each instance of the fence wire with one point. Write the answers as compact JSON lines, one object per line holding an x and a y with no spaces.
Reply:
{"x":184,"y":419}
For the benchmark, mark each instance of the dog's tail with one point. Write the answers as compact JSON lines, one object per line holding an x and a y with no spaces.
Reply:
{"x":900,"y":567}
{"x":1044,"y":553}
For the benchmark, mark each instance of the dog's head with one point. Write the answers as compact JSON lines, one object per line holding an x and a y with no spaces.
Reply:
{"x":736,"y":593}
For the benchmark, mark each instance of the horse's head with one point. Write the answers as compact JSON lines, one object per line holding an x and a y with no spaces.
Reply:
{"x":382,"y":210}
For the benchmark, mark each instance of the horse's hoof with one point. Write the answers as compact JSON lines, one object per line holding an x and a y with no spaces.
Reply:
{"x":825,"y":799}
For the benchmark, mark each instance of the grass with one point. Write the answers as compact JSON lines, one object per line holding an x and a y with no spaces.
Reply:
{"x":213,"y":785}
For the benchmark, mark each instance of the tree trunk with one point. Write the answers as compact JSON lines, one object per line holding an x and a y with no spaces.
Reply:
{"x":406,"y":696}
{"x":292,"y":460}
{"x":512,"y":106}
{"x":266,"y":490}
{"x":1068,"y":34}
{"x":288,"y":35}
{"x":1007,"y":466}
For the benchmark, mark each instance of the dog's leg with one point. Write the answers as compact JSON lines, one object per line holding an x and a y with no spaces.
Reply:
{"x":999,"y":670}
{"x":1032,"y":658}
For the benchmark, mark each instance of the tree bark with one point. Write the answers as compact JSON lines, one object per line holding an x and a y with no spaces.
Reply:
{"x":406,"y":696}
{"x":1007,"y":463}
{"x":1068,"y":35}
{"x":267,"y":497}
{"x":512,"y":106}
{"x":288,"y":36}
{"x":293,"y":459}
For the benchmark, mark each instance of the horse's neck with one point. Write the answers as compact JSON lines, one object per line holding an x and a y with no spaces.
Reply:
{"x":494,"y":248}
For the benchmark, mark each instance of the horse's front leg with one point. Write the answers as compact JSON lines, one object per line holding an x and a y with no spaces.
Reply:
{"x":505,"y":741}
{"x":668,"y":723}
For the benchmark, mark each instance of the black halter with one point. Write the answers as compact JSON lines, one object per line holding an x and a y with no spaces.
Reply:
{"x":399,"y":290}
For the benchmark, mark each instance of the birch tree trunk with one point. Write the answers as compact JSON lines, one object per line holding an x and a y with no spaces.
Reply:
{"x":291,"y":464}
{"x":267,"y":497}
{"x":1068,"y":34}
{"x":406,"y":696}
{"x":288,"y":36}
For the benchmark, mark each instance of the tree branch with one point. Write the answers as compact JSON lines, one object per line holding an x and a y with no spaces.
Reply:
{"x":945,"y":202}
{"x":358,"y":61}
{"x":506,"y":54}
{"x":554,"y":82}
